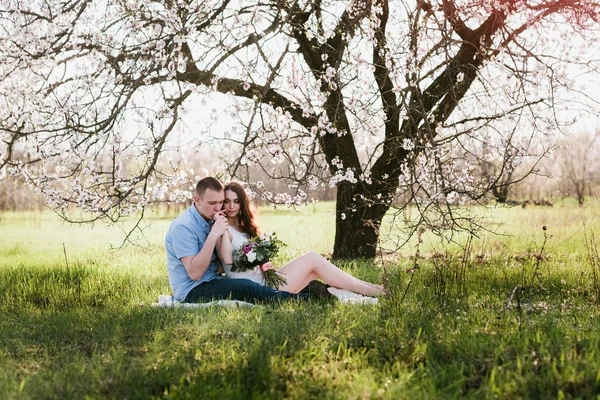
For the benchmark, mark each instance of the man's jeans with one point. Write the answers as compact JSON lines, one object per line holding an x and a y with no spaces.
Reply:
{"x":238,"y":289}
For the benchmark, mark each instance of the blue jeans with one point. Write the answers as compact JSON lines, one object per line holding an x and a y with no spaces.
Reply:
{"x":238,"y":289}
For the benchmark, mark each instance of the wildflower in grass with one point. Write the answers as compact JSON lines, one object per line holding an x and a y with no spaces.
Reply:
{"x":258,"y":251}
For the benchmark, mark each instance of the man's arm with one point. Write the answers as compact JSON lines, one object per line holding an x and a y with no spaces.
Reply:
{"x":197,"y":265}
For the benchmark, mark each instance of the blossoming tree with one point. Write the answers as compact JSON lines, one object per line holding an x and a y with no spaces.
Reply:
{"x":381,"y":99}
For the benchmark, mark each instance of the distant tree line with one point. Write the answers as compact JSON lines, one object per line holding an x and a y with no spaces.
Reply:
{"x":571,"y":169}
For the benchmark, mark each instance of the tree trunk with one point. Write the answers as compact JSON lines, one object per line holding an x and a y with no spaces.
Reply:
{"x":579,"y":191}
{"x":501,"y":194}
{"x":581,"y":195}
{"x":356,"y":232}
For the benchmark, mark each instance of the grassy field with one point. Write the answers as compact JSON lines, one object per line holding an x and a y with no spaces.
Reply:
{"x":76,"y":320}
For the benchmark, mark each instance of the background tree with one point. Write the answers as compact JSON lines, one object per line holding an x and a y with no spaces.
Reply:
{"x":379,"y":99}
{"x":578,"y":158}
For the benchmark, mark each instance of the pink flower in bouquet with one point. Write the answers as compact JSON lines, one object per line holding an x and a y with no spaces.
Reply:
{"x":247,"y":248}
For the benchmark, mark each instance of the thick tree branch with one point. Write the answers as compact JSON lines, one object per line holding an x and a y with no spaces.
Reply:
{"x":382,"y":74}
{"x":250,"y":91}
{"x":451,"y":13}
{"x":333,"y":145}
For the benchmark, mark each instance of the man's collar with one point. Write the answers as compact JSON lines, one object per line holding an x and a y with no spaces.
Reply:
{"x":209,"y":220}
{"x":198,"y":217}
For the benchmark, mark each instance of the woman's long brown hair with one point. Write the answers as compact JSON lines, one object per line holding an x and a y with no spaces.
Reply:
{"x":246,"y":217}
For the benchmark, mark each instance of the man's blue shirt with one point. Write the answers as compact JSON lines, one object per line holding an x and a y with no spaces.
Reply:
{"x":185,"y":237}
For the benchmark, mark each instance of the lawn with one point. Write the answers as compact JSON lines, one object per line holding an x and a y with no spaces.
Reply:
{"x":76,"y":320}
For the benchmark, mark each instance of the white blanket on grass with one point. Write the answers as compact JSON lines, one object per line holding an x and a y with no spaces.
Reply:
{"x":344,"y":296}
{"x":169,"y":301}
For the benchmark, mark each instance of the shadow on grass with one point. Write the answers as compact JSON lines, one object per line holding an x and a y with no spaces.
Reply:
{"x":66,"y":348}
{"x":57,"y":342}
{"x":469,"y":341}
{"x":154,"y":352}
{"x":263,"y":345}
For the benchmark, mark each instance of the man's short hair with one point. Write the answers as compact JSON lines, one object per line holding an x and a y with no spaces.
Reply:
{"x":208,"y":183}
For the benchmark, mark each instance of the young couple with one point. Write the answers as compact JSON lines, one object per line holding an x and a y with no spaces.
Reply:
{"x":217,"y":223}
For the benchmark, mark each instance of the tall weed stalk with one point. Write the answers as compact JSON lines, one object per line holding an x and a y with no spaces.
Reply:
{"x":450,"y":273}
{"x":594,"y":258}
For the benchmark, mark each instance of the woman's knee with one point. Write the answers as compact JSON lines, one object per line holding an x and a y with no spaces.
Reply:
{"x":313,"y":255}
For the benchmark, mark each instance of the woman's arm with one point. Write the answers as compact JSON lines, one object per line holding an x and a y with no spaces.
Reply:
{"x":224,"y":248}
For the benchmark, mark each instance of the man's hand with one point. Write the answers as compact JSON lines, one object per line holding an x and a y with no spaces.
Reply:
{"x":220,"y":224}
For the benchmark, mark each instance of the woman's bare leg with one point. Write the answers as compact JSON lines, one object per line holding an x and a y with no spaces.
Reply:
{"x":310,"y":277}
{"x":310,"y":266}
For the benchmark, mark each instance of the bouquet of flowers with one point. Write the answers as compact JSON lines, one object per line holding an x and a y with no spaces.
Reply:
{"x":258,"y":251}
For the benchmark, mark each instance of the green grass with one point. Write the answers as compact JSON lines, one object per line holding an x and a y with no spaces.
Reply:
{"x":83,"y":327}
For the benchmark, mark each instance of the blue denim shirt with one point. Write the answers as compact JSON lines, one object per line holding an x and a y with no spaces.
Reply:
{"x":185,"y":237}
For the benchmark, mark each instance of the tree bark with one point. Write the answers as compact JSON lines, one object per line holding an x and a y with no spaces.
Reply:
{"x":356,"y":232}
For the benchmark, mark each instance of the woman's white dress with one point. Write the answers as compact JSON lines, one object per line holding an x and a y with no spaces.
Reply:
{"x":237,"y":241}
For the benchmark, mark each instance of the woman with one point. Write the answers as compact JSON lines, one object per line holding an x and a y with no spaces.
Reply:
{"x":298,"y":272}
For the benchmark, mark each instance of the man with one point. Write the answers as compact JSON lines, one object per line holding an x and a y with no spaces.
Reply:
{"x":192,"y":241}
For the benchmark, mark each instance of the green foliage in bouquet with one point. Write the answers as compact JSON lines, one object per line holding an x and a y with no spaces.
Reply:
{"x":258,"y":252}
